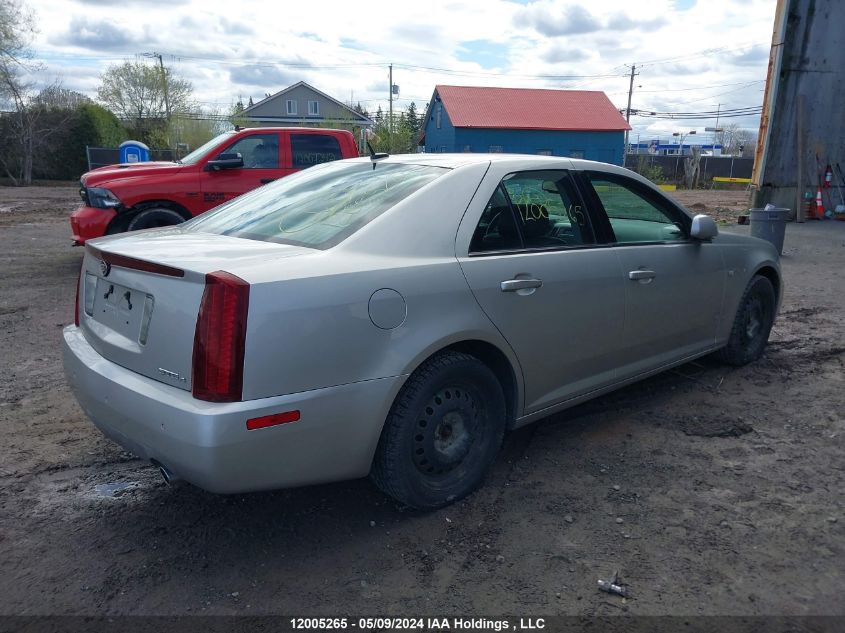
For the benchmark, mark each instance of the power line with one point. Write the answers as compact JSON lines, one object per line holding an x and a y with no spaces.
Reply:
{"x":704,"y":53}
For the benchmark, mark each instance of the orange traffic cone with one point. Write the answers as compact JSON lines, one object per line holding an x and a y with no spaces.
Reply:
{"x":819,"y":206}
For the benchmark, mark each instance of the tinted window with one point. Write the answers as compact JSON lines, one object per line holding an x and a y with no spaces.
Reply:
{"x":259,"y":151}
{"x":317,"y":208}
{"x":496,"y":230}
{"x":308,"y":150}
{"x":635,"y":214}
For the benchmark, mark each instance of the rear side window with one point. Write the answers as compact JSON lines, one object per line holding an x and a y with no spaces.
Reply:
{"x":317,"y":208}
{"x":308,"y":150}
{"x":533,"y":210}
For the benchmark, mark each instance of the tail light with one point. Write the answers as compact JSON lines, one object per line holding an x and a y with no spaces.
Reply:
{"x":220,"y":338}
{"x":76,"y":303}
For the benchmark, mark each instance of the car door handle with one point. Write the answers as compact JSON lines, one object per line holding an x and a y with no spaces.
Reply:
{"x":642,"y":274}
{"x":512,"y":285}
{"x":264,"y":181}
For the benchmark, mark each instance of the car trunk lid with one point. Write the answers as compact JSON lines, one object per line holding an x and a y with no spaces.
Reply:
{"x":140,"y":295}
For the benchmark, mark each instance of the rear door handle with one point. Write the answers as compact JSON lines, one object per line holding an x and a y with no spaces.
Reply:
{"x":264,"y":181}
{"x":512,"y":285}
{"x":642,"y":274}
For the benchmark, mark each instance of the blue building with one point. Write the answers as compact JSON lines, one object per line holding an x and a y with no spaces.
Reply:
{"x":573,"y":123}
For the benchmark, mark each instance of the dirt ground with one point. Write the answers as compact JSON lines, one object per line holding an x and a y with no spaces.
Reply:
{"x":711,"y":490}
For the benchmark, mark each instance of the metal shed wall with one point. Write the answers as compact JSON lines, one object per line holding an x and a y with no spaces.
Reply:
{"x":811,"y":65}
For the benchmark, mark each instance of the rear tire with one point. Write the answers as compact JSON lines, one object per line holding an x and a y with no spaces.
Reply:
{"x":442,"y":434}
{"x":752,"y":323}
{"x":154,"y":217}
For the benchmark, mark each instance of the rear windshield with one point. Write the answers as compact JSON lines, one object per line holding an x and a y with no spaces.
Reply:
{"x":319,"y":207}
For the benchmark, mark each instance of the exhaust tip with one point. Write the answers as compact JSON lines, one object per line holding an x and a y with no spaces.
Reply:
{"x":170,"y":478}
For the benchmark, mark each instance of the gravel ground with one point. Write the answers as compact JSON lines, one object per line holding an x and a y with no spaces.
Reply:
{"x":711,"y":490}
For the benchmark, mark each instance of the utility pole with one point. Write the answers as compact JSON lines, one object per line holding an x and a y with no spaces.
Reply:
{"x":716,"y":129}
{"x":628,"y":112}
{"x":163,"y":84}
{"x":390,"y":115}
{"x":164,"y":89}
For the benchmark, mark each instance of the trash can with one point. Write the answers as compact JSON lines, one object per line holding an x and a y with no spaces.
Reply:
{"x":134,"y":152}
{"x":769,"y":224}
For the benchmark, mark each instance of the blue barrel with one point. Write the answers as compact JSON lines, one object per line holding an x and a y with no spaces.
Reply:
{"x":134,"y":152}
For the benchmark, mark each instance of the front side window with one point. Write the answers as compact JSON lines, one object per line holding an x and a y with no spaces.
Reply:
{"x":312,"y":149}
{"x":545,"y":212}
{"x":259,"y":151}
{"x":635,"y":214}
{"x":317,"y":208}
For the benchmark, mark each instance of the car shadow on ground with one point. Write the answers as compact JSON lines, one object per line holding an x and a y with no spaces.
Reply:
{"x":337,"y":511}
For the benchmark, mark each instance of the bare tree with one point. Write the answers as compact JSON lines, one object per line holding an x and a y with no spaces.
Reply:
{"x":29,"y":127}
{"x":16,"y":30}
{"x":737,"y":141}
{"x":19,"y":124}
{"x":135,"y":90}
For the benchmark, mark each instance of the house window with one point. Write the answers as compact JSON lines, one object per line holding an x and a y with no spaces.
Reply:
{"x":442,"y":149}
{"x":544,"y":152}
{"x":439,"y":115}
{"x":313,"y":108}
{"x":291,"y":106}
{"x":496,"y":149}
{"x":576,"y":153}
{"x":467,"y":148}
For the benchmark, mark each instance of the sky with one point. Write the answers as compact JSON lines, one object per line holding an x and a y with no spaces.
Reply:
{"x":691,"y":55}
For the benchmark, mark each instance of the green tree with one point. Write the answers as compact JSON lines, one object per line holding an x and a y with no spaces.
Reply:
{"x":88,"y":124}
{"x":413,"y":118}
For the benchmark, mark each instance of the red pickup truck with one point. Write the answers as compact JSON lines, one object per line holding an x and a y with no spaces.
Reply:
{"x":137,"y":196}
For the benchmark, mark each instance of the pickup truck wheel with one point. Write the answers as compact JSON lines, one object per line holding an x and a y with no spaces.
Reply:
{"x":752,"y":323}
{"x":442,"y":433}
{"x":154,"y":217}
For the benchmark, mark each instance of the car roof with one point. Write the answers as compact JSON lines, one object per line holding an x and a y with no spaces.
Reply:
{"x":516,"y":161}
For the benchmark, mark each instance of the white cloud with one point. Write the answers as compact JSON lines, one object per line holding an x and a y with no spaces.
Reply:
{"x":343,"y":49}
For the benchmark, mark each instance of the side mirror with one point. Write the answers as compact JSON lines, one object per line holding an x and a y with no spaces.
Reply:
{"x":703,"y":228}
{"x":226,"y":161}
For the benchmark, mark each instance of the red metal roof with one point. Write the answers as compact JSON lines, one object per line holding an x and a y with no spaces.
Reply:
{"x":530,"y":109}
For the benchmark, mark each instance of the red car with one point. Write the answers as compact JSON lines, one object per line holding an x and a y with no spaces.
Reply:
{"x":144,"y":195}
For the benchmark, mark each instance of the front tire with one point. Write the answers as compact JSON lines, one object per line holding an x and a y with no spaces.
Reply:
{"x":752,"y":323}
{"x":154,"y":217}
{"x":442,"y":434}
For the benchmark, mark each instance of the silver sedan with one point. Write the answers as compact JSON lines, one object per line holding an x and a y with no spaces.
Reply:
{"x":395,"y":316}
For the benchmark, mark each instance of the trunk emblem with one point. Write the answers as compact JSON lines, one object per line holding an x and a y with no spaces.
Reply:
{"x":105,"y":267}
{"x":171,"y":374}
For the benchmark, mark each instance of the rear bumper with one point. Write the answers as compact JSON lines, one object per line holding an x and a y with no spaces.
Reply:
{"x":86,"y":223}
{"x":208,"y":445}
